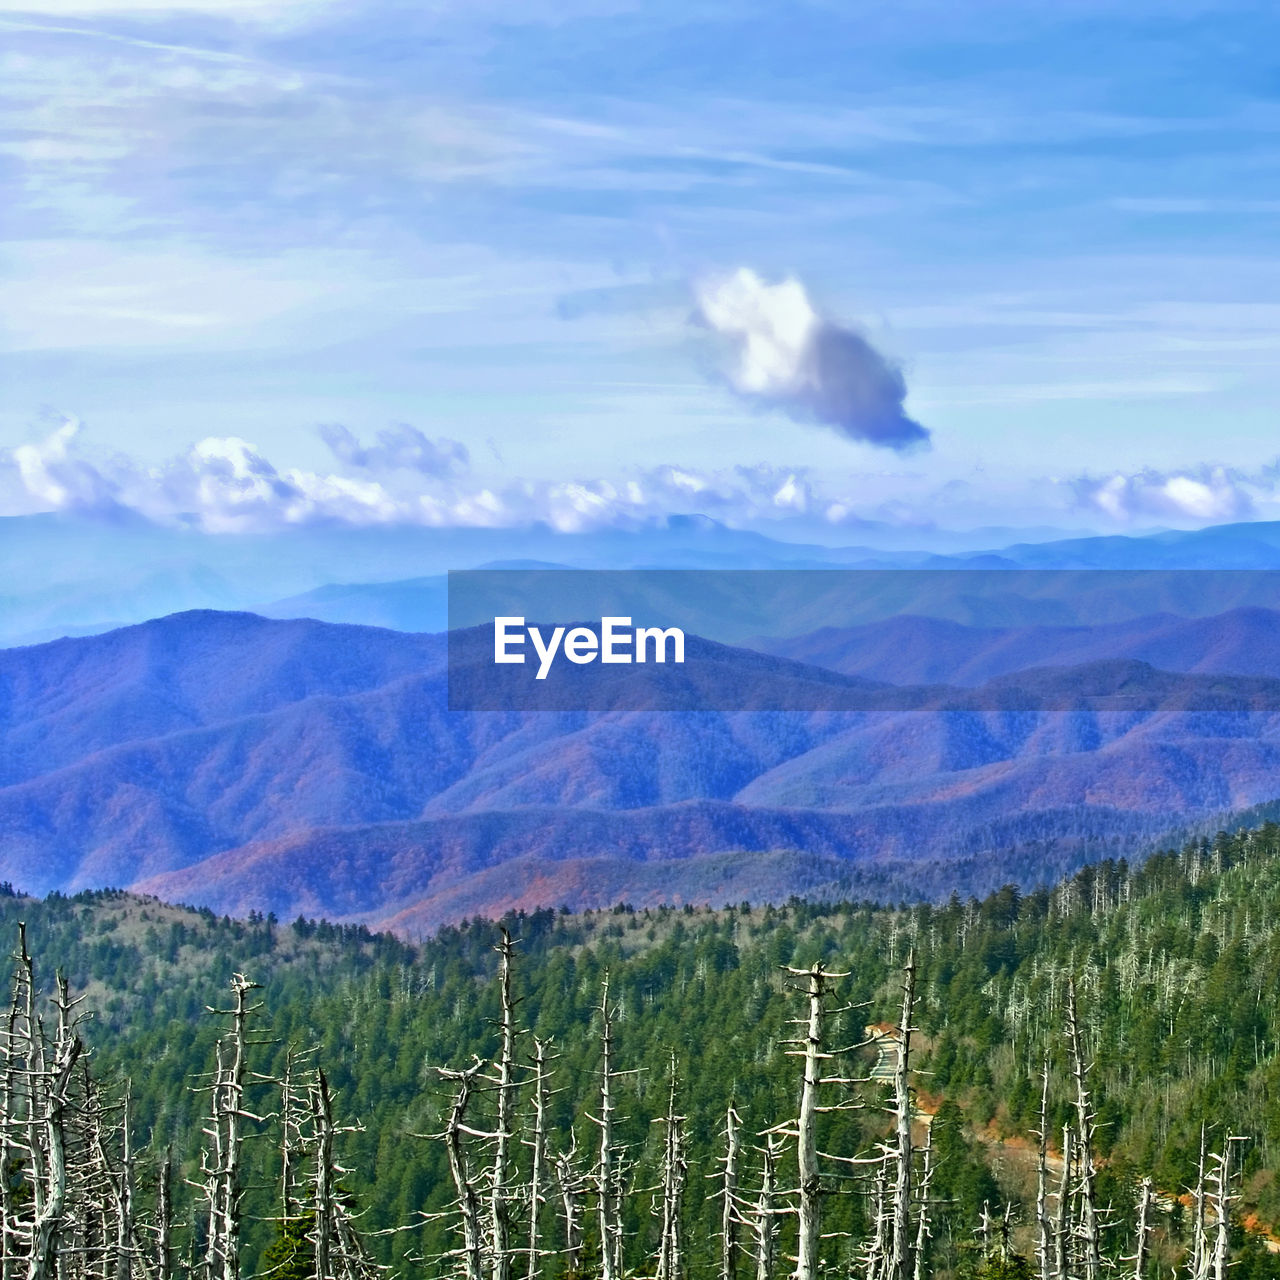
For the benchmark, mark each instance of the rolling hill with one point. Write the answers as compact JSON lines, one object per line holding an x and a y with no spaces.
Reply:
{"x":243,"y":763}
{"x":914,"y":649}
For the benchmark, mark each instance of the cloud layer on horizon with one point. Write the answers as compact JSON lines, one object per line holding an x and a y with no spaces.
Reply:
{"x":225,"y":484}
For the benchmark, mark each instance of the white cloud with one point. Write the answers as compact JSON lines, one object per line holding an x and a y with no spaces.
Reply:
{"x":225,"y":484}
{"x":1204,"y":495}
{"x":788,"y":357}
{"x":399,"y":448}
{"x":53,"y":477}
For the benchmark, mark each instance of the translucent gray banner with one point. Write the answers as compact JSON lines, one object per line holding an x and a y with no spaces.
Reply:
{"x":865,"y":641}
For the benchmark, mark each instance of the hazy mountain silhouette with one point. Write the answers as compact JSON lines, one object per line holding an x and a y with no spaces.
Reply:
{"x":232,"y":760}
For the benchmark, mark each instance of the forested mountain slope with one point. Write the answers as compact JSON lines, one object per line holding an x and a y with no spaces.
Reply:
{"x":1176,"y":966}
{"x":249,"y":764}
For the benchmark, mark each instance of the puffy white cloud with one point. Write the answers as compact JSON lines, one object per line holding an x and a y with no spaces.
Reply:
{"x":1201,"y":495}
{"x":52,"y":476}
{"x":225,"y":484}
{"x":789,"y":357}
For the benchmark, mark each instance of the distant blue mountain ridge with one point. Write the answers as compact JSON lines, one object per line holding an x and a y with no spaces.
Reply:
{"x":69,"y":575}
{"x":245,"y":763}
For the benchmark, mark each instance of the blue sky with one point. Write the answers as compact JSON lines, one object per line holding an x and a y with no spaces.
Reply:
{"x":228,"y":223}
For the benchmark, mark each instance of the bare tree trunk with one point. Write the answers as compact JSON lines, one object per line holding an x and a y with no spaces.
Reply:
{"x":1142,"y":1244}
{"x":1199,"y":1235}
{"x":923,"y":1230}
{"x":984,"y":1229}
{"x":569,"y":1182}
{"x":500,"y":1191}
{"x":339,"y":1252}
{"x":1063,"y":1233}
{"x":9,"y":1114}
{"x":28,"y":1106}
{"x":674,"y":1172}
{"x":224,"y":1188}
{"x":729,"y":1215}
{"x":164,"y":1219}
{"x":607,"y":1176}
{"x":538,"y":1157}
{"x":15,"y":1136}
{"x":50,"y":1192}
{"x":120,"y":1187}
{"x":290,"y":1136}
{"x":902,"y":1239}
{"x":809,"y":1204}
{"x":468,"y":1200}
{"x":323,"y":1193}
{"x":1089,"y":1226}
{"x":764,"y":1224}
{"x":1222,"y":1200}
{"x":877,"y":1245}
{"x":1044,"y":1228}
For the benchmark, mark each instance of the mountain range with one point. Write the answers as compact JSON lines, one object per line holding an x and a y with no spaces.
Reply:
{"x":73,"y":574}
{"x":239,"y":762}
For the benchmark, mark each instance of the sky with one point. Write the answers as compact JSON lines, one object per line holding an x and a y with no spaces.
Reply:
{"x":809,"y":267}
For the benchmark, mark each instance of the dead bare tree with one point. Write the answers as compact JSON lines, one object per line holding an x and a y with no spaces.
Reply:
{"x":1199,"y":1234}
{"x":809,"y":1207}
{"x":538,"y":1154}
{"x":504,"y":1085}
{"x":810,"y":1047}
{"x":1044,"y":1228}
{"x":221,"y":1161}
{"x":467,"y":1203}
{"x":164,"y":1219}
{"x":675,"y":1170}
{"x":902,"y":1238}
{"x":608,"y":1171}
{"x":1089,"y":1228}
{"x":69,"y":1164}
{"x":293,"y":1110}
{"x":875,"y":1249}
{"x":103,"y":1175}
{"x":1222,"y":1202}
{"x":571,"y":1183}
{"x":49,"y":1100}
{"x":340,"y":1253}
{"x":21,"y":1138}
{"x":924,"y":1228}
{"x":126,"y":1246}
{"x":730,"y":1212}
{"x":1142,"y":1240}
{"x":764,"y":1215}
{"x":1064,"y":1235}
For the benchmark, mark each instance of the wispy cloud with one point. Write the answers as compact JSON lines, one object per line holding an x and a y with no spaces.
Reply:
{"x":398,"y":448}
{"x":255,"y":11}
{"x":1213,"y":206}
